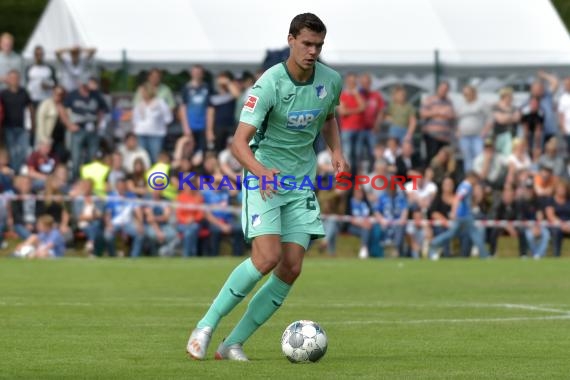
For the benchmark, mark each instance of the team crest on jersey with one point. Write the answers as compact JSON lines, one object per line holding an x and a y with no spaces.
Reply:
{"x":255,"y":220}
{"x":302,"y":119}
{"x":250,"y":103}
{"x":321,"y":91}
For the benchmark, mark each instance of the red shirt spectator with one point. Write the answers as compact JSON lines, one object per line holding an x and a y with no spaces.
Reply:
{"x":374,"y":103}
{"x":351,"y":106}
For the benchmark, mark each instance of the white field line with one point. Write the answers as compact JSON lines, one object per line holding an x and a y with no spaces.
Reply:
{"x":447,"y":320}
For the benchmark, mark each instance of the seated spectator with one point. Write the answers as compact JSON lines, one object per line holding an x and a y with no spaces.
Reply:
{"x":558,"y":212}
{"x":374,"y":192}
{"x":88,"y":213}
{"x":407,"y":159}
{"x":360,"y":224}
{"x":136,"y":181}
{"x":416,"y":233}
{"x":444,"y":165}
{"x":440,"y":211}
{"x":544,"y":184}
{"x":332,"y":202}
{"x":229,"y":165}
{"x":123,"y":216}
{"x":159,"y":230}
{"x":41,"y":164}
{"x":131,"y":151}
{"x":392,"y":151}
{"x":116,"y":171}
{"x":506,"y":211}
{"x":189,"y":217}
{"x":422,"y":191}
{"x":491,"y":166}
{"x":536,"y":236}
{"x":97,"y":171}
{"x":553,"y":158}
{"x":517,"y":160}
{"x":220,"y":222}
{"x":52,"y":203}
{"x":23,"y":213}
{"x":391,"y":211}
{"x":184,"y":149}
{"x":47,"y":243}
{"x":6,"y":172}
{"x":151,"y":117}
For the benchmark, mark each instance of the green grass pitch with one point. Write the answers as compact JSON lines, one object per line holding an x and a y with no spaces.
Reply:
{"x":392,"y":319}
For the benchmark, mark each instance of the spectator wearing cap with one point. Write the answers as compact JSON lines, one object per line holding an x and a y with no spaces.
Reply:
{"x":472,"y":114}
{"x":9,"y":59}
{"x":86,"y":109}
{"x":192,"y":112}
{"x":131,"y":151}
{"x":439,"y":120}
{"x":16,"y":101}
{"x":558,"y":214}
{"x":75,"y":66}
{"x":151,"y":117}
{"x":491,"y":166}
{"x":98,"y":172}
{"x":220,"y":123}
{"x":504,"y":122}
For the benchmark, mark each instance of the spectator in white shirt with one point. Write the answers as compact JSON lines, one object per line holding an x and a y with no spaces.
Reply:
{"x":151,"y":117}
{"x":472,"y":114}
{"x":131,"y":151}
{"x":40,"y":78}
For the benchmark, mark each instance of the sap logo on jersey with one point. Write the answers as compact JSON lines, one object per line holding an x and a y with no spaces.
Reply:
{"x":301,"y":119}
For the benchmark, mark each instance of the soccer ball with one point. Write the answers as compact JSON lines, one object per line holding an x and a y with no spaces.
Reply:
{"x":304,"y":342}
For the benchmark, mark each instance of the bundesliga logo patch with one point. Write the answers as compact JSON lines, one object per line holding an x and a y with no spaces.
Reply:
{"x":250,"y":103}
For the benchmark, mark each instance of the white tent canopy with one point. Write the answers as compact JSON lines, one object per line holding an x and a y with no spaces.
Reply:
{"x":362,"y":33}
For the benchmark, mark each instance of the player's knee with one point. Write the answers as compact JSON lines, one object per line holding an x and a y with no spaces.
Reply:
{"x":289,"y":273}
{"x":265,"y":264}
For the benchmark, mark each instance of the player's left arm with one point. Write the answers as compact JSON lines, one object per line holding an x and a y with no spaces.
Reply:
{"x":332,"y":137}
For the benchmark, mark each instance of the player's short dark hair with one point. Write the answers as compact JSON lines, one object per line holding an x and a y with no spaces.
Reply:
{"x":306,"y":20}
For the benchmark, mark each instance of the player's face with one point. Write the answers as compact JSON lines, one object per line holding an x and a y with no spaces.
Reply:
{"x":306,"y":47}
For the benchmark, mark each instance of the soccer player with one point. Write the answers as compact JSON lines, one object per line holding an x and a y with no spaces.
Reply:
{"x":285,"y":111}
{"x":462,"y":219}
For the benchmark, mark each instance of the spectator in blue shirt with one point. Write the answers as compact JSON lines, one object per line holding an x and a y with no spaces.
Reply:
{"x":47,"y":243}
{"x":463,"y":219}
{"x":360,"y":224}
{"x":158,"y":229}
{"x":123,"y":216}
{"x":391,"y":212}
{"x":192,"y":112}
{"x":222,"y":222}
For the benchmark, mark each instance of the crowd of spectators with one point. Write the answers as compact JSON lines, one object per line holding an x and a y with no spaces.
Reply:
{"x":67,"y":181}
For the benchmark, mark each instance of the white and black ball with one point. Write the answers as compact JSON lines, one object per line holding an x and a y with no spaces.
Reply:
{"x":304,"y":342}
